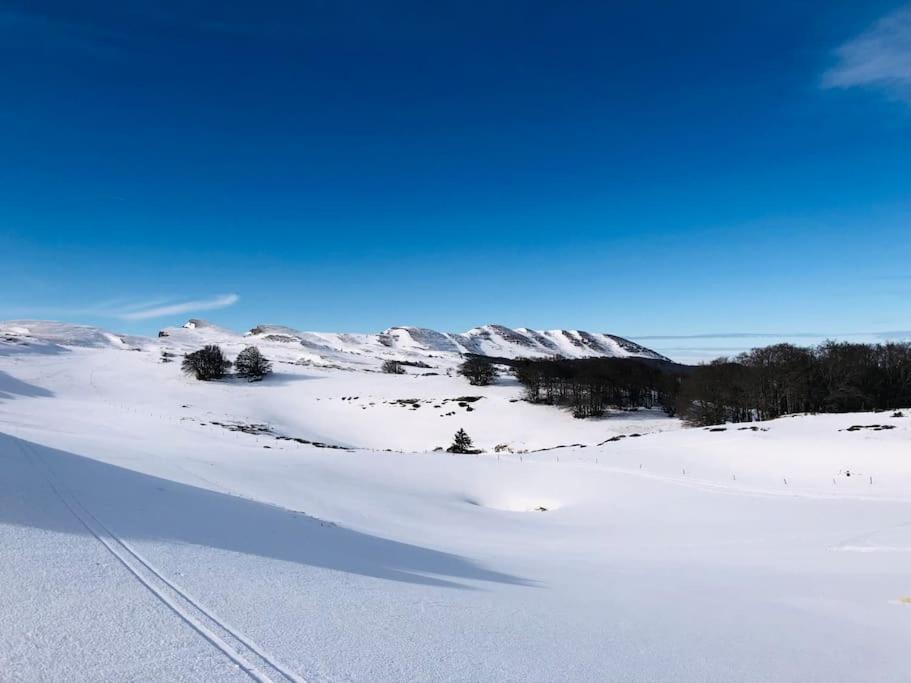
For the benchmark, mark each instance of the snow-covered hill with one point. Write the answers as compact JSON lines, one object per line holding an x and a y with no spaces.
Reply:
{"x":417,"y":343}
{"x":157,"y":528}
{"x":23,"y":336}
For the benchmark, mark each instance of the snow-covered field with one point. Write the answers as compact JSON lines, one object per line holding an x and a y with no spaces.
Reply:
{"x":143,"y":537}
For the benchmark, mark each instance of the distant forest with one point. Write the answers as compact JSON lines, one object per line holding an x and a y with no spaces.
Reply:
{"x":761,"y":384}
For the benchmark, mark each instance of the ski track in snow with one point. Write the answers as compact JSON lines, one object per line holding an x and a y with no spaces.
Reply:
{"x":250,"y":657}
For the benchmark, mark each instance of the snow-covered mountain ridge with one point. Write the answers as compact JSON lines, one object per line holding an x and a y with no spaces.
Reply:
{"x":348,"y":350}
{"x":486,"y":340}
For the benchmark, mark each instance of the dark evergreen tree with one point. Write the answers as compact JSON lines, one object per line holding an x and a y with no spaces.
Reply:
{"x":461,"y":443}
{"x":252,"y":364}
{"x":206,"y":364}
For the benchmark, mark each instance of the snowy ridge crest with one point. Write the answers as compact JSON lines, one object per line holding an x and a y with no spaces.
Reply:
{"x":487,"y":340}
{"x":348,"y":350}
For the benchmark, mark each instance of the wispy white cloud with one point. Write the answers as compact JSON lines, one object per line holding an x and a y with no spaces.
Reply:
{"x":143,"y":313}
{"x":880,"y":57}
{"x":130,"y":309}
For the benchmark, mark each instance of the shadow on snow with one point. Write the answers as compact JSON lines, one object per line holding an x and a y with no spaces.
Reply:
{"x":143,"y":507}
{"x":10,"y":387}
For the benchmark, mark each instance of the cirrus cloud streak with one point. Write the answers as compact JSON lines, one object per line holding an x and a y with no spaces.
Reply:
{"x":880,"y":57}
{"x":214,"y":303}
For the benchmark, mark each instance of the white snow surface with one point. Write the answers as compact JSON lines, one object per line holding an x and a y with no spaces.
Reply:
{"x":144,"y":538}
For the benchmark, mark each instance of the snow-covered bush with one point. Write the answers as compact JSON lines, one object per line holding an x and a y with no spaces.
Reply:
{"x":206,"y":364}
{"x":252,"y":364}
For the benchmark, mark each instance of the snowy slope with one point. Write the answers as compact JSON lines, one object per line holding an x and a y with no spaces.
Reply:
{"x":145,"y":538}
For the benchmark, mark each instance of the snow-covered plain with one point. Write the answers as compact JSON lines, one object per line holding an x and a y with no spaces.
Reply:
{"x":144,"y":538}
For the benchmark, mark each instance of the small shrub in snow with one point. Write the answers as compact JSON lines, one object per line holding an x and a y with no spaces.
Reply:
{"x":206,"y":364}
{"x":393,"y":367}
{"x":251,"y":364}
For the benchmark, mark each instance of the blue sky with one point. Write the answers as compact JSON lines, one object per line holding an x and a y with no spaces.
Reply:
{"x":696,"y":172}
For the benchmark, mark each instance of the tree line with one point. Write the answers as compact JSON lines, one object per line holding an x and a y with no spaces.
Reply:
{"x":589,"y":386}
{"x":768,"y":382}
{"x":760,"y":384}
